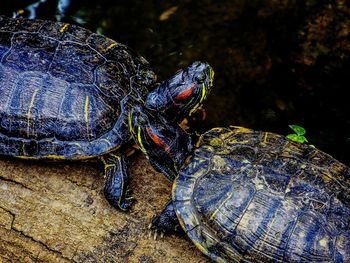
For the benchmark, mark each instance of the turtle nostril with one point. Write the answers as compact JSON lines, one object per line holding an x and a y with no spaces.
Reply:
{"x":200,"y":78}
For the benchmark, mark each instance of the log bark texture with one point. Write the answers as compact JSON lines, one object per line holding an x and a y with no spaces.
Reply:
{"x":56,"y":212}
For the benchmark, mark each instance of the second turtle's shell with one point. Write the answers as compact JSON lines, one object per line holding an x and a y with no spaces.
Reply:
{"x":249,"y":196}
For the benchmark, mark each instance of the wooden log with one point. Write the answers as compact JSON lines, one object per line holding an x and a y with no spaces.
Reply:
{"x":56,"y":212}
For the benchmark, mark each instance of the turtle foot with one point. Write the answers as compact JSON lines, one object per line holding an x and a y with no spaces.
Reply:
{"x":117,"y":202}
{"x":166,"y":222}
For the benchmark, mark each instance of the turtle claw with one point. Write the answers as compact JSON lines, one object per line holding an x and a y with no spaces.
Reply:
{"x":155,"y":233}
{"x":128,"y":194}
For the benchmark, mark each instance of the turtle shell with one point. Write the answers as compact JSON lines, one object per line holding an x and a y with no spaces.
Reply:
{"x":249,"y":196}
{"x":65,"y":91}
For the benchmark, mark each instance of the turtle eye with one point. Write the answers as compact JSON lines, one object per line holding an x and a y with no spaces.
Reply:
{"x":200,"y":77}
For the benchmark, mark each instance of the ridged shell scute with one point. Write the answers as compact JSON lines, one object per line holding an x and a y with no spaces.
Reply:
{"x":65,"y":88}
{"x":250,"y":196}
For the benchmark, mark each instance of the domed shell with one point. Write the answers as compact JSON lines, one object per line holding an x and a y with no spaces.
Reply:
{"x":65,"y":91}
{"x":249,"y":196}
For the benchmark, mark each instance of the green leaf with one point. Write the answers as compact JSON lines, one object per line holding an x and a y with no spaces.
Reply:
{"x":296,"y":138}
{"x":293,"y":137}
{"x":302,"y":139}
{"x":297,"y":129}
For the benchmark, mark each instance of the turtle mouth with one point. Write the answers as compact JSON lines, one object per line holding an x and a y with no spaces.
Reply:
{"x":209,"y":80}
{"x":205,"y":86}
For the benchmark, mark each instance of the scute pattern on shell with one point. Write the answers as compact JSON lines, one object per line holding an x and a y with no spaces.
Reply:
{"x":64,"y":90}
{"x":249,"y":196}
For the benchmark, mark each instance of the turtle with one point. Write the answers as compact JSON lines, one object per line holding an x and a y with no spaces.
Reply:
{"x":66,"y":94}
{"x":250,"y":196}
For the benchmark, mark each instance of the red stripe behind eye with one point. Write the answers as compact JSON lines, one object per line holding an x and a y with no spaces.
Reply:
{"x":158,"y":140}
{"x":186,"y":93}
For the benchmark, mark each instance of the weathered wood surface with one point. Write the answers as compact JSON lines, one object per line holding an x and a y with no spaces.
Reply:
{"x":56,"y":212}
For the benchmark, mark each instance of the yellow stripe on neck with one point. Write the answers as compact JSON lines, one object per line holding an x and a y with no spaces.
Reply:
{"x":140,"y":140}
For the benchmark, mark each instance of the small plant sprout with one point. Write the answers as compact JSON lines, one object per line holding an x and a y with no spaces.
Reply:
{"x":298,"y":135}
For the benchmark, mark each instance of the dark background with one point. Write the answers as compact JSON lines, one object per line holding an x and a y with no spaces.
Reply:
{"x":276,"y":62}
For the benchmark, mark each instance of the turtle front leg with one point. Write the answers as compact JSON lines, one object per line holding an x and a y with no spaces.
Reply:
{"x":166,"y":221}
{"x":116,"y":188}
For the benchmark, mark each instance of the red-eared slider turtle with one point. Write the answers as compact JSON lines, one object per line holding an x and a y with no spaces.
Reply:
{"x":65,"y":94}
{"x":250,"y":196}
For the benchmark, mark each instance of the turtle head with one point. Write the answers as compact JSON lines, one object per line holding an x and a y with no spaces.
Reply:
{"x":182,"y":94}
{"x":165,"y":144}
